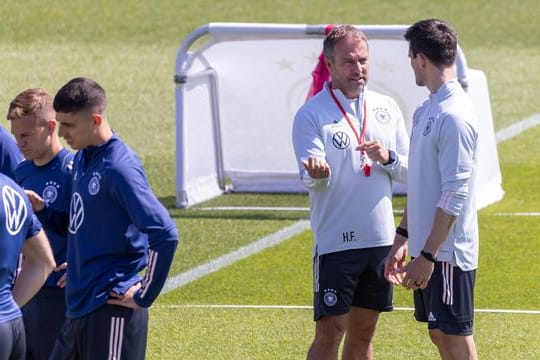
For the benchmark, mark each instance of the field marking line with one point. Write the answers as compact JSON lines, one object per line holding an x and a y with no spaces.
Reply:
{"x":236,"y":255}
{"x":253,"y":208}
{"x":517,"y":128}
{"x":518,"y":214}
{"x":278,"y":208}
{"x":307,"y":307}
{"x":265,"y":208}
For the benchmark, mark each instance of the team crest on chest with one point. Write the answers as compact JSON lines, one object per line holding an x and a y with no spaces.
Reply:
{"x":429,"y":124}
{"x":93,"y":184}
{"x":382,"y":116}
{"x":341,"y":140}
{"x":50,"y":193}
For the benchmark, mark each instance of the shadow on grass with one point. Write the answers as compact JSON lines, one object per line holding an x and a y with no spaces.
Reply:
{"x":193,"y":213}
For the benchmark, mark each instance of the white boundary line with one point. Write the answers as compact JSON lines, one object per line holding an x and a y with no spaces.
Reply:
{"x":518,"y":214}
{"x":234,"y":256}
{"x":517,"y":128}
{"x":265,"y":208}
{"x":307,"y":307}
{"x":252,"y":208}
{"x":277,"y":208}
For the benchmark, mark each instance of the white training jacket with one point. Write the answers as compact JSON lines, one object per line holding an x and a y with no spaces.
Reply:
{"x":350,"y":210}
{"x":443,"y":155}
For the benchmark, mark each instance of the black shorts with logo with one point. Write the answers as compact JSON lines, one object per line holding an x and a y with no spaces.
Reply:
{"x":351,"y":278}
{"x":447,"y":303}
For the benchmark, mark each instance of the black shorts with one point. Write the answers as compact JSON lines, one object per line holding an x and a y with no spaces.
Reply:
{"x":351,"y":278}
{"x":43,"y":317}
{"x":110,"y":332}
{"x":12,"y":340}
{"x":447,"y":303}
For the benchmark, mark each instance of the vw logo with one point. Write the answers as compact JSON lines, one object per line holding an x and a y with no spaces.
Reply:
{"x":76,"y":213}
{"x":341,"y":140}
{"x":14,"y":208}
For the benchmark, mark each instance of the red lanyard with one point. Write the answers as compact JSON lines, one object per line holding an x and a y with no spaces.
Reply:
{"x":359,"y":137}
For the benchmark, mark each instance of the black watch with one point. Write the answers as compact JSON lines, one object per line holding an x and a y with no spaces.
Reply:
{"x":428,"y":256}
{"x":391,"y":157}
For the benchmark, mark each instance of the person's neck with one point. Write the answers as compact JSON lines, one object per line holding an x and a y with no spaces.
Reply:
{"x":53,"y":150}
{"x":348,"y":94}
{"x":438,"y":77}
{"x":103,"y":136}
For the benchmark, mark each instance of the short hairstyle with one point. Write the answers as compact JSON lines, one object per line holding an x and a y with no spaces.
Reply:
{"x":80,"y":94}
{"x":434,"y":38}
{"x":34,"y":102}
{"x":339,"y":33}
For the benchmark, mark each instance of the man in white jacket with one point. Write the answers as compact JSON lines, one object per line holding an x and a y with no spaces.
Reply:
{"x":350,"y":144}
{"x":440,"y":219}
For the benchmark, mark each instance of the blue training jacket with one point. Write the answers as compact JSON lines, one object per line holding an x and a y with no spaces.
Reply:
{"x":52,"y":182}
{"x":17,"y":223}
{"x":117,"y":228}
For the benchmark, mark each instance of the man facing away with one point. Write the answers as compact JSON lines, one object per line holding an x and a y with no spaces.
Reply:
{"x":440,"y":219}
{"x":20,"y":231}
{"x":46,"y":178}
{"x":350,"y":144}
{"x":117,"y":228}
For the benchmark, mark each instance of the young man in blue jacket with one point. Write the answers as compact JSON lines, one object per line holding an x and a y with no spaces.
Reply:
{"x":117,"y":228}
{"x":45,"y":175}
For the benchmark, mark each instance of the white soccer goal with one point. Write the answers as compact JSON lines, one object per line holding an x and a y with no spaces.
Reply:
{"x":238,"y":87}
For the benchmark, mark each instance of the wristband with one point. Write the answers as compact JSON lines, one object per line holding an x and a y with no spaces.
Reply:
{"x":427,"y":256}
{"x":403,"y":232}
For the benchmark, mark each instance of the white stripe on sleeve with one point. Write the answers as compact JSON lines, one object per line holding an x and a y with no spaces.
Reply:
{"x":150,"y":270}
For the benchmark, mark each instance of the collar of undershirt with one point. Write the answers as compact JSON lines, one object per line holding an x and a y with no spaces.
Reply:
{"x":351,"y":105}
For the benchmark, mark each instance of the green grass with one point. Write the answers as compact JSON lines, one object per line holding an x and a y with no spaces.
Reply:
{"x":130,"y":48}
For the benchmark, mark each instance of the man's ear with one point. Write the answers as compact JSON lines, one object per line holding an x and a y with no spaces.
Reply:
{"x":51,"y":126}
{"x":423,"y":59}
{"x":97,"y":119}
{"x":328,"y":64}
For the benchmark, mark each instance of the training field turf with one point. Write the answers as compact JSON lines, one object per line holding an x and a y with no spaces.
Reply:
{"x":130,"y":47}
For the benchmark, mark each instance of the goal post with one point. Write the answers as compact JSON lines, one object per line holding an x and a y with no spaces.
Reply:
{"x":237,"y":89}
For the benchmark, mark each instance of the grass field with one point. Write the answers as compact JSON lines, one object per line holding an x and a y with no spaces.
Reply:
{"x":130,"y":48}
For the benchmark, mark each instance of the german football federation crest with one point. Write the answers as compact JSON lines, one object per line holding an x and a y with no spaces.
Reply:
{"x":15,"y":210}
{"x":330,"y":297}
{"x":50,"y":193}
{"x":93,"y":185}
{"x":429,"y":124}
{"x":382,"y":116}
